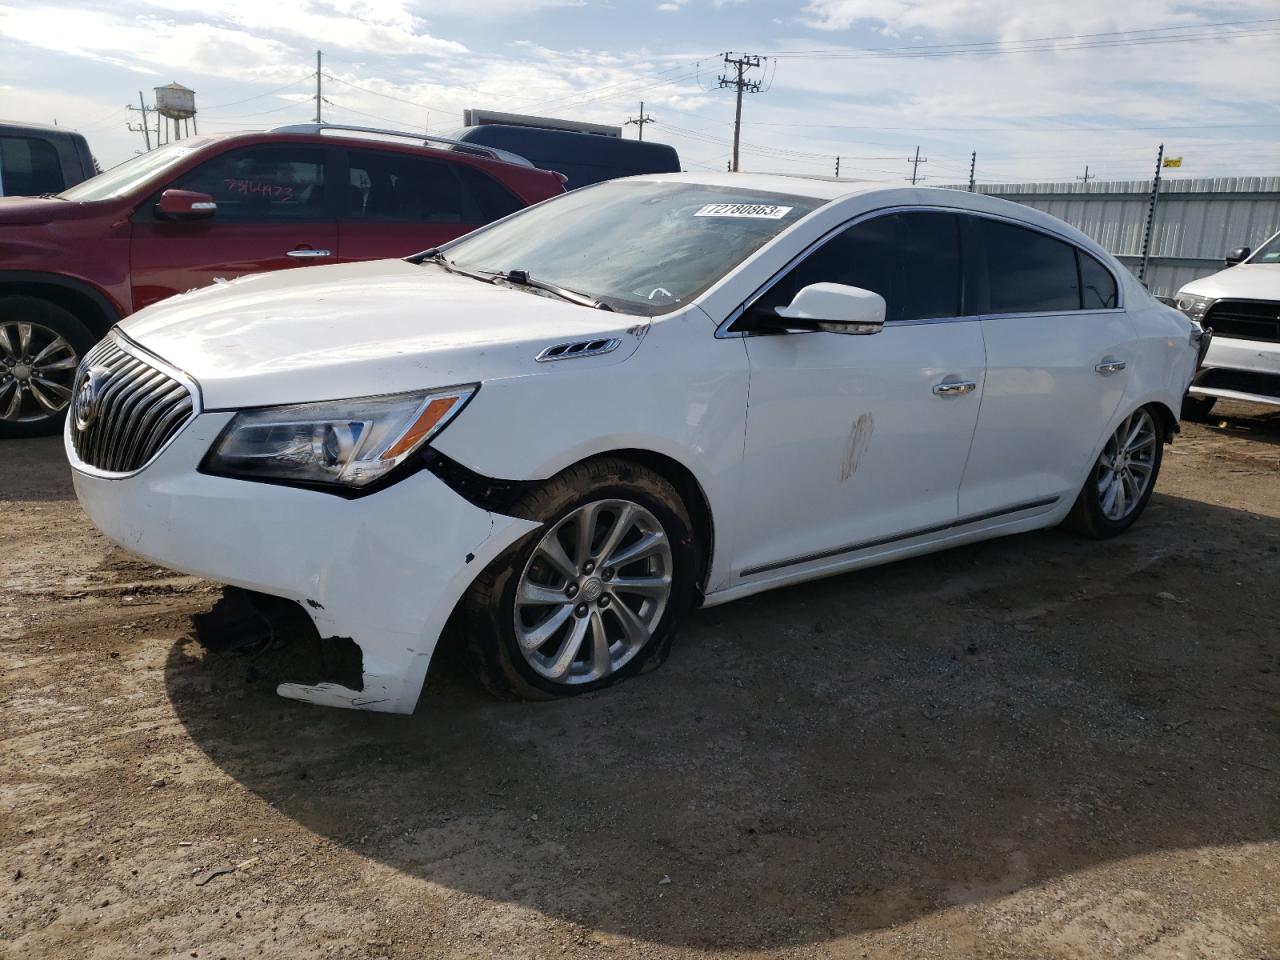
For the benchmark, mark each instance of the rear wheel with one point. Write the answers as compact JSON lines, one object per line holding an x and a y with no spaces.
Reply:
{"x":592,"y":595}
{"x":1197,"y":408}
{"x":41,"y":345}
{"x":1122,"y":478}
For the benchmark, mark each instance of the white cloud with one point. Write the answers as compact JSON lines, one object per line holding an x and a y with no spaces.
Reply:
{"x":1011,"y":20}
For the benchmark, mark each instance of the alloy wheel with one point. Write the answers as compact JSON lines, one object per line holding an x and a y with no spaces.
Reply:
{"x":593,"y":592}
{"x":37,"y":369}
{"x":1127,"y":464}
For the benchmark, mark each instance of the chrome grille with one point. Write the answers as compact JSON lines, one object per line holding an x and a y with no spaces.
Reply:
{"x":124,"y":409}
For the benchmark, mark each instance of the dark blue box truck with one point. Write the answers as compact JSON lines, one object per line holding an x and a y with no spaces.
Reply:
{"x":582,"y":158}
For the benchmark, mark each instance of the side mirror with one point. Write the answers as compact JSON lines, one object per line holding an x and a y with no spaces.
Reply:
{"x":833,"y":307}
{"x":186,"y":205}
{"x":1238,"y":255}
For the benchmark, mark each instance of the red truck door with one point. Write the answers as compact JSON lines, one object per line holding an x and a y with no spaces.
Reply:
{"x":397,"y":203}
{"x":274,"y":212}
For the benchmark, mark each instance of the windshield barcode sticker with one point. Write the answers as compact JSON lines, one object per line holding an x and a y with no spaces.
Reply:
{"x":755,"y":211}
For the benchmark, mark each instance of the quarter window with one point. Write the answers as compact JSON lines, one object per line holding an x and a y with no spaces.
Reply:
{"x":264,"y":183}
{"x":910,"y":259}
{"x":1097,"y":285}
{"x":1027,"y":272}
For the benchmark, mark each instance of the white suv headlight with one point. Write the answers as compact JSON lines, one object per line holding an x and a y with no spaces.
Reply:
{"x":347,"y":443}
{"x":1193,"y":306}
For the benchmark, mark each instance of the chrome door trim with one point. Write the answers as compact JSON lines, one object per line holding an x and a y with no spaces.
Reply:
{"x":722,"y":330}
{"x":309,"y":253}
{"x":954,"y":388}
{"x":895,"y":538}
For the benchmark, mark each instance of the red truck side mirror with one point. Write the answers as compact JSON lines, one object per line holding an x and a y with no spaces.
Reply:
{"x":186,"y":205}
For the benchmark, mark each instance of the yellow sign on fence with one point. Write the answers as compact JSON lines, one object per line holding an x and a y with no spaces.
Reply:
{"x":1173,"y":161}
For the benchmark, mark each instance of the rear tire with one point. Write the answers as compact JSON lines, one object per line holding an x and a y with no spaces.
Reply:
{"x":41,"y":344}
{"x":1122,"y":479}
{"x":524,"y":614}
{"x":1196,"y":408}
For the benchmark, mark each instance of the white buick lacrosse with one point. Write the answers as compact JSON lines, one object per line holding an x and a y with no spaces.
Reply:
{"x":565,"y":429}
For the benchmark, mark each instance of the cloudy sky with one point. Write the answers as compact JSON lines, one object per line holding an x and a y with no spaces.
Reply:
{"x":1038,"y":90}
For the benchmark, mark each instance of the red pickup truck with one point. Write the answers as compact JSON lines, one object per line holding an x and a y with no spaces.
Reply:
{"x":207,"y":209}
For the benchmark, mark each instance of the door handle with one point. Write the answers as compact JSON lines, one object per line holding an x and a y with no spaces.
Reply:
{"x":1108,"y":367}
{"x":954,"y":388}
{"x":310,"y":253}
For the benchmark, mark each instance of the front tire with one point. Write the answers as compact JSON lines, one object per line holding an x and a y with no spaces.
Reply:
{"x":1122,"y":479}
{"x":41,"y":344}
{"x":594,"y":594}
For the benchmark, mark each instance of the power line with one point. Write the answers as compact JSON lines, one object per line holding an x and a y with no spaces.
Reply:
{"x":259,"y":96}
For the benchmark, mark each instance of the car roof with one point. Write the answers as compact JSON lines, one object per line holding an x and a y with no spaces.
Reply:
{"x":831,"y":189}
{"x":819,"y":188}
{"x":12,"y":125}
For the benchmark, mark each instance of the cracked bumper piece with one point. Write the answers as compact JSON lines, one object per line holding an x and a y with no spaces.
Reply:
{"x":385,"y":570}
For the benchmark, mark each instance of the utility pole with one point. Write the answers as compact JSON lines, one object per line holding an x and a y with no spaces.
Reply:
{"x":1151,"y":216}
{"x":915,"y":166}
{"x":973,"y":168}
{"x":741,"y":65}
{"x":146,"y":131}
{"x":1087,"y":175}
{"x":639,"y":121}
{"x":837,"y":168}
{"x":319,"y":98}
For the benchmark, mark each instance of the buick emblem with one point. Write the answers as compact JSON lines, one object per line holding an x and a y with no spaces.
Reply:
{"x":88,"y":395}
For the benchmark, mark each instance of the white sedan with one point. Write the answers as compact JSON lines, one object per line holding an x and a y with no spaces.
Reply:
{"x":567,"y":428}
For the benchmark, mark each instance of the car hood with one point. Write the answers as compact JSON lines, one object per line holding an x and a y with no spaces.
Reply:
{"x":1248,"y":281}
{"x":15,"y":210}
{"x":363,"y":329}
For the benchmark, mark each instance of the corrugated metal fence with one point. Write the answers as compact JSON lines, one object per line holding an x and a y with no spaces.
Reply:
{"x":1197,"y":222}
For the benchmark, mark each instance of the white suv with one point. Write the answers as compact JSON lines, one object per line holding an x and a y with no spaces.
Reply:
{"x":1242,"y":306}
{"x":566,"y":428}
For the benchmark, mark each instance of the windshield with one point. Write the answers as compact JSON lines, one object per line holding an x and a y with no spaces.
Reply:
{"x":1269,"y":252}
{"x":640,"y":246}
{"x":119,"y":180}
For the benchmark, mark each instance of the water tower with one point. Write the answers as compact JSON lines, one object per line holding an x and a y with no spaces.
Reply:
{"x":177,"y":103}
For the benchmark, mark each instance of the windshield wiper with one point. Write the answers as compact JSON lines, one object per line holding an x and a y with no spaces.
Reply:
{"x":521,"y":278}
{"x":435,"y":255}
{"x":52,"y":196}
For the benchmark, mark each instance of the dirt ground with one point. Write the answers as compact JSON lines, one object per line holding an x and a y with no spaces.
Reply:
{"x":1037,"y":747}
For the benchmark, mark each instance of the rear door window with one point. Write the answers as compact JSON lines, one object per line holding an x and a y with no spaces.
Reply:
{"x":1027,"y":271}
{"x":910,"y":259}
{"x":263,"y":184}
{"x":403,"y":188}
{"x":29,"y":167}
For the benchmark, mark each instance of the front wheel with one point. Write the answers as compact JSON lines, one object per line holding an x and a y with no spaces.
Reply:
{"x":1122,"y":478}
{"x":591,"y":596}
{"x":40,"y":347}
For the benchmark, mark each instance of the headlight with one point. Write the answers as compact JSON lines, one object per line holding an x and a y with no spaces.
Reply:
{"x":344,"y":442}
{"x":1193,"y":306}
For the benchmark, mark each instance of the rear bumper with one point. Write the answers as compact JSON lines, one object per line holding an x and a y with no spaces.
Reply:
{"x":385,"y":570}
{"x":1240,"y":370}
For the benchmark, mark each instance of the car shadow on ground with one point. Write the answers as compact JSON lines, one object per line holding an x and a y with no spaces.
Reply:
{"x":1253,"y":421}
{"x":35,"y":471}
{"x":830,"y":758}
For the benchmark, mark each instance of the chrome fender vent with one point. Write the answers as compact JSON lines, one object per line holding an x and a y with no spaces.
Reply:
{"x":578,"y":348}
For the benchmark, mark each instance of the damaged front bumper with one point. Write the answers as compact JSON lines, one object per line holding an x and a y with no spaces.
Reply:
{"x":385,"y":570}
